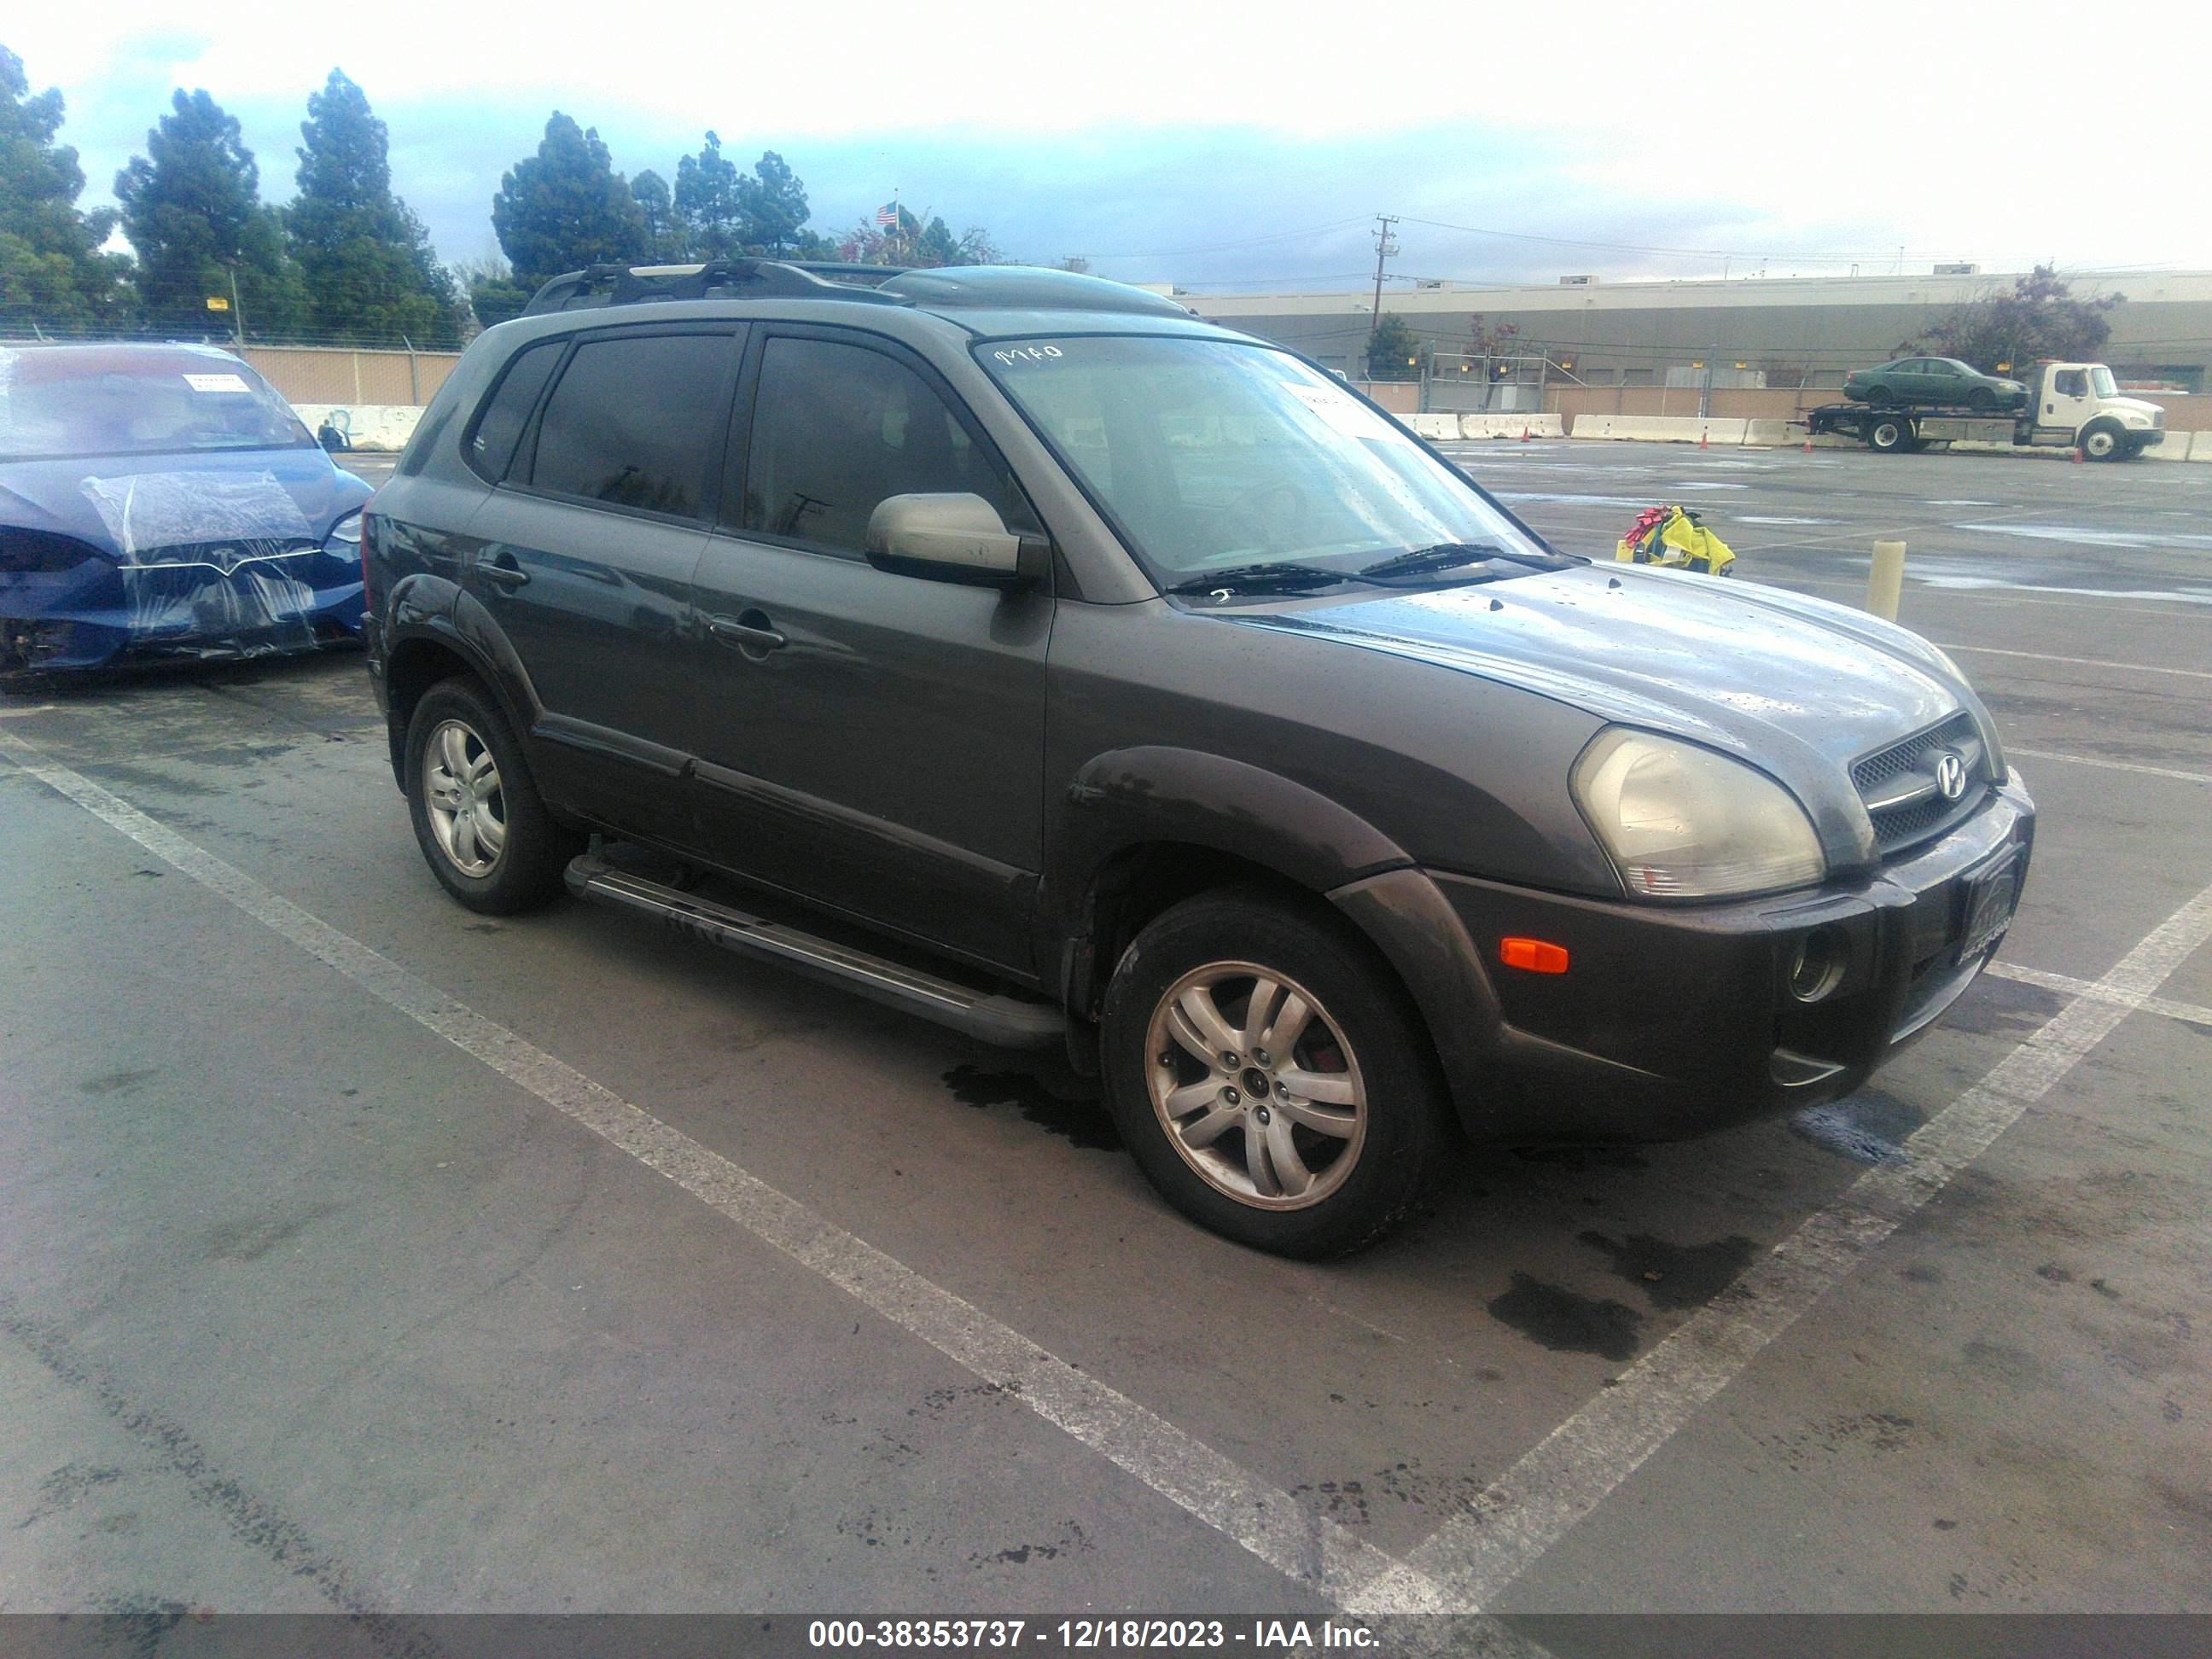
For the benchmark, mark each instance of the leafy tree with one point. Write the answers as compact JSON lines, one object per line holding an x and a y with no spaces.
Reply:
{"x":192,"y":207}
{"x":666,"y":242}
{"x":51,"y":269}
{"x":565,"y":207}
{"x":370,"y":273}
{"x":1392,"y":349}
{"x":707,"y":202}
{"x":497,"y":298}
{"x":910,"y":242}
{"x":2040,"y":318}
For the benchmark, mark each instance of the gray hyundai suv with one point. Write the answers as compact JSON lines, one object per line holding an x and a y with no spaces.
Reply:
{"x":1011,"y":647}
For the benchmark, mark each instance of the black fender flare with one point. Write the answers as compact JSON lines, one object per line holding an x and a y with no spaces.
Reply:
{"x":426,"y":607}
{"x":1132,"y":797}
{"x":1128,"y":798}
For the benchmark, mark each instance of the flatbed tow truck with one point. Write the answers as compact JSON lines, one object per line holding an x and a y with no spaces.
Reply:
{"x":2070,"y":406}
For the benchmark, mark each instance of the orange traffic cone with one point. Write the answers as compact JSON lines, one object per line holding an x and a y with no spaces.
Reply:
{"x":1808,"y":446}
{"x":2074,"y":453}
{"x":1524,"y":434}
{"x":1701,"y":438}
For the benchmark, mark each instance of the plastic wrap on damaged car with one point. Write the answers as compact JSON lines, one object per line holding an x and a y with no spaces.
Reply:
{"x":203,"y":559}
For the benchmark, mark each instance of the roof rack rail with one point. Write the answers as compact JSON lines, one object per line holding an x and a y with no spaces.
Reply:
{"x":621,"y":285}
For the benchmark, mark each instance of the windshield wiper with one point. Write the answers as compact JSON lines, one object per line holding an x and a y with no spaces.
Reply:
{"x":1451,"y":555}
{"x":1260,"y":578}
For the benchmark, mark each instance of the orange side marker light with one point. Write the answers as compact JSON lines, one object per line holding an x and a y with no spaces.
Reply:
{"x":1533,"y":954}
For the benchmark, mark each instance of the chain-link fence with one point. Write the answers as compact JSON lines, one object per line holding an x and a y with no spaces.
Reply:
{"x":322,"y":373}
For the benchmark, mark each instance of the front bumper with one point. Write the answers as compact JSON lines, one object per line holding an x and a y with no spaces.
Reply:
{"x":1673,"y":1022}
{"x":101,"y":610}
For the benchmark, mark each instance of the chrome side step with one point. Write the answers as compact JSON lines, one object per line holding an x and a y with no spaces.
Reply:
{"x":1008,"y":1022}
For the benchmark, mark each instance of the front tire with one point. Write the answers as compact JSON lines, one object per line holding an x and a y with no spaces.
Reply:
{"x":1981,"y":397}
{"x":2104,"y":443}
{"x":1267,"y":1076}
{"x":478,"y":818}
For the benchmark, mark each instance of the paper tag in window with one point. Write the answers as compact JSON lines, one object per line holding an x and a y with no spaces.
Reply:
{"x":1344,"y":413}
{"x":217,"y":383}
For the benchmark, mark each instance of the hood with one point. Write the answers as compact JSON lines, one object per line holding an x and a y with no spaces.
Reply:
{"x":129,"y":506}
{"x":2141,"y":409}
{"x":1795,"y":685}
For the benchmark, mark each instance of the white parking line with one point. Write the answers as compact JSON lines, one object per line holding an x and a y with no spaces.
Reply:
{"x":1262,"y":1518}
{"x":2112,"y":765}
{"x":1520,"y":1515}
{"x":2079,"y":662}
{"x":2067,"y":985}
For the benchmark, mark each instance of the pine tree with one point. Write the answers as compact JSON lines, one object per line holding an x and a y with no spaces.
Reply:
{"x":665,"y":241}
{"x":776,"y":210}
{"x":192,"y":208}
{"x":51,"y":270}
{"x":709,"y":202}
{"x":565,"y":207}
{"x":370,"y":273}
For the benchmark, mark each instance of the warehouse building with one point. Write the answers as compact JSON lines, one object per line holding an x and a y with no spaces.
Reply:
{"x":1777,"y":332}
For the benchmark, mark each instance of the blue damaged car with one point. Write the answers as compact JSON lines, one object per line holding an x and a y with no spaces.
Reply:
{"x":162,"y":502}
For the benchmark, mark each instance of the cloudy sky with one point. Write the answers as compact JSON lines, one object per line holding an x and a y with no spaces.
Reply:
{"x":1231,"y":144}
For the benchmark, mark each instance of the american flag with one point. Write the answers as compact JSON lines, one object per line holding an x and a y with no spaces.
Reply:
{"x":887,"y":214}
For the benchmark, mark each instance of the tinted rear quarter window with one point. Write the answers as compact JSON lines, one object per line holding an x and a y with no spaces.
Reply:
{"x":636,"y":422}
{"x":491,"y":447}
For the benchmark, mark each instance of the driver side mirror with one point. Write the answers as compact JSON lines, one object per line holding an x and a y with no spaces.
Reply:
{"x":953,"y":538}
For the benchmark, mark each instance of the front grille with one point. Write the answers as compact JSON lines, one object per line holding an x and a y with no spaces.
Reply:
{"x":1909,"y":823}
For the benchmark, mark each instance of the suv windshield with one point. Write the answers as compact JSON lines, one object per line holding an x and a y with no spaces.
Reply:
{"x":1213,"y":456}
{"x":66,"y":402}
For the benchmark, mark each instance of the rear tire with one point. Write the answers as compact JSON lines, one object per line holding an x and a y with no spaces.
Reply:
{"x":1888,"y":435}
{"x":478,"y":818}
{"x":1877,"y":397}
{"x":1268,"y":1077}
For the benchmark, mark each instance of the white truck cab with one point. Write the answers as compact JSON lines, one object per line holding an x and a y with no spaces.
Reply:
{"x":2079,"y":404}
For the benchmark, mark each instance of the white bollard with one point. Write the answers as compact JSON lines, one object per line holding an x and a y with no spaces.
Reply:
{"x":1886,"y":580}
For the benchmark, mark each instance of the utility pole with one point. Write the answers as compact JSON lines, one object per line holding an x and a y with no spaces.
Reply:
{"x":237,"y":311}
{"x":1385,"y":245}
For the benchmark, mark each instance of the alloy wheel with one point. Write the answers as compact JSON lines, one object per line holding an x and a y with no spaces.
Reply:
{"x":461,"y":793}
{"x":1254,"y":1086}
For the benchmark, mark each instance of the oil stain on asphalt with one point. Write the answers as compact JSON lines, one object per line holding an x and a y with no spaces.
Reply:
{"x":1675,"y":1275}
{"x":1566,"y":1322}
{"x":1084,"y":1122}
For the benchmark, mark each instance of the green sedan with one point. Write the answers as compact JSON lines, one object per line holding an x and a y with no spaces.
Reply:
{"x":1943,"y":381}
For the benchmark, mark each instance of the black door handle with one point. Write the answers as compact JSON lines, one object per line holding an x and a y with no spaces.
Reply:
{"x":504,"y":572}
{"x":749,"y":631}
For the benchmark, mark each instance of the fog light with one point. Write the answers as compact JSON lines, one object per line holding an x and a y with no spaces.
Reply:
{"x":1818,"y":967}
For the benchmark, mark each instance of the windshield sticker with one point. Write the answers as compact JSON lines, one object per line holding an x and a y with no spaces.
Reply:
{"x":1013,"y":356}
{"x":1354,"y":419}
{"x":217,"y":383}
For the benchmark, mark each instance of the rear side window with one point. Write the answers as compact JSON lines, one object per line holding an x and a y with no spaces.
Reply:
{"x":837,"y":428}
{"x":492,"y":446}
{"x":636,"y":422}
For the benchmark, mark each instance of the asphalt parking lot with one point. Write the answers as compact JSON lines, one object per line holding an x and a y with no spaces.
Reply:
{"x":362,"y":1254}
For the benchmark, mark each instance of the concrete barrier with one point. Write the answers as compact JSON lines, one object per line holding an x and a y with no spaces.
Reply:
{"x":2200,"y":444}
{"x":1506,"y":424}
{"x":1663,"y":428}
{"x":1434,"y":428}
{"x":2174,"y":447}
{"x":380,"y":426}
{"x":1770,"y":434}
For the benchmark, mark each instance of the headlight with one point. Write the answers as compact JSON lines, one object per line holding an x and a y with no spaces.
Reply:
{"x":344,"y":539}
{"x":1681,"y":822}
